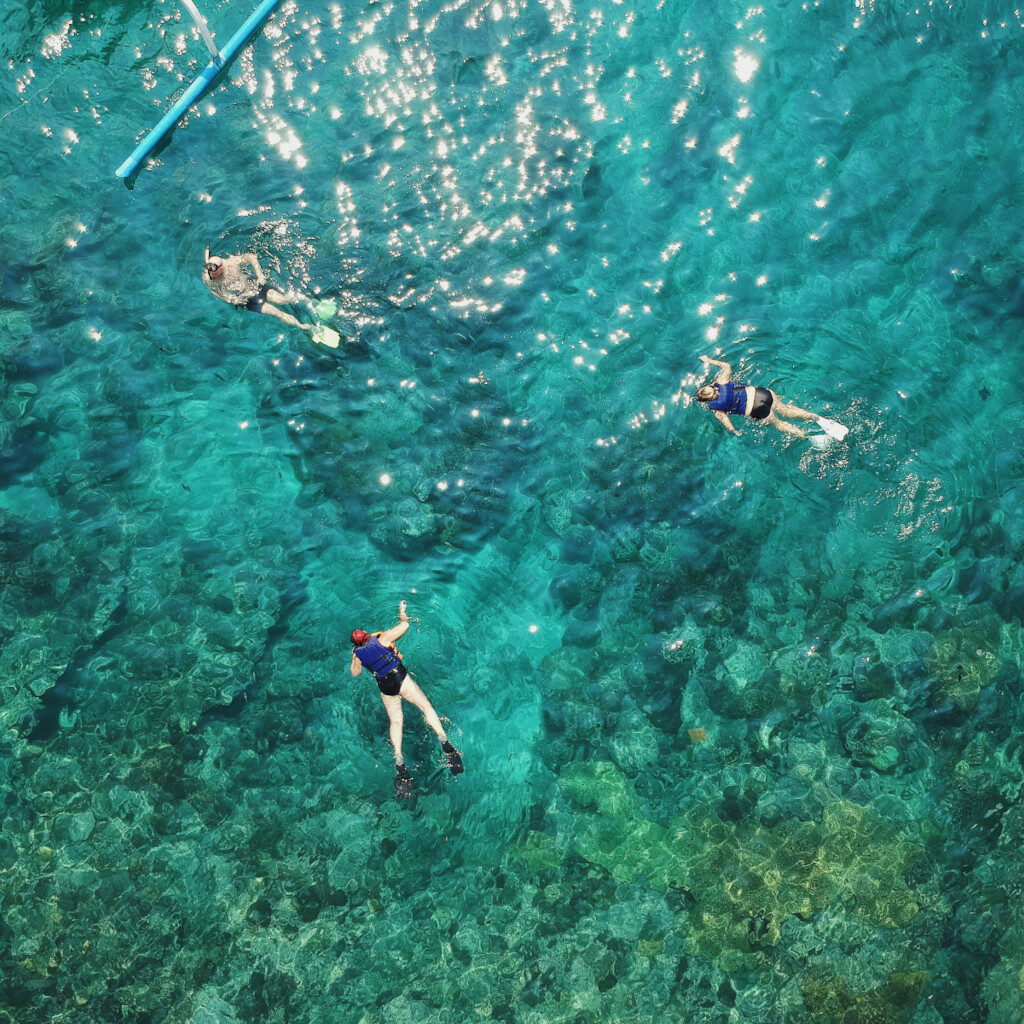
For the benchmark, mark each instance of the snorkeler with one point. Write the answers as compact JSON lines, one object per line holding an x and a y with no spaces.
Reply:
{"x":727,"y":396}
{"x":378,"y":653}
{"x":225,"y":276}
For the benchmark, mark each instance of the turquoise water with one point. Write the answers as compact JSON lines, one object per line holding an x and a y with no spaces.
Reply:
{"x":535,"y":217}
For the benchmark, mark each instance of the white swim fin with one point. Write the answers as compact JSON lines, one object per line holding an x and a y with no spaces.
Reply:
{"x":326,"y":336}
{"x":833,"y":428}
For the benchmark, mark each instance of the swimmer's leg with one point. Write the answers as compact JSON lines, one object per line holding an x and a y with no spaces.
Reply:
{"x":414,"y":695}
{"x":794,"y":412}
{"x":291,"y":298}
{"x":285,"y":318}
{"x":403,"y":780}
{"x":786,"y":428}
{"x":393,"y":706}
{"x":288,"y":298}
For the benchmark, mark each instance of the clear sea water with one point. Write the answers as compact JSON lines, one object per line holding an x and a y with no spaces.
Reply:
{"x":535,"y":216}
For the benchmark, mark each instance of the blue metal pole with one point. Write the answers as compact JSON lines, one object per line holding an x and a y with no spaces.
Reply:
{"x":196,"y":89}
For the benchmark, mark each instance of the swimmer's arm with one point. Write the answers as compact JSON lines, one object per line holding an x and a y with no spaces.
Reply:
{"x":389,"y":636}
{"x":356,"y":667}
{"x":725,"y":421}
{"x":250,"y":258}
{"x":724,"y":374}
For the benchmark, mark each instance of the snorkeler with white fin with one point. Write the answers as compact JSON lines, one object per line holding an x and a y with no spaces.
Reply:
{"x":377,"y":652}
{"x":227,"y":279}
{"x":727,"y":397}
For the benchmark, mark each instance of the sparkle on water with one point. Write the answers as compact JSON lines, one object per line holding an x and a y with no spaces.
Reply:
{"x":739,"y":715}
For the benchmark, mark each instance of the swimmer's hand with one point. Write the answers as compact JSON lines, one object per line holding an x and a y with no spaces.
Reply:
{"x":401,"y":612}
{"x":705,"y":360}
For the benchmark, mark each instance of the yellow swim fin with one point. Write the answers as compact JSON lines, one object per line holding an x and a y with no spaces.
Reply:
{"x":326,"y":336}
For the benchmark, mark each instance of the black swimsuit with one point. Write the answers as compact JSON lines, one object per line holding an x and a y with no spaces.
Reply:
{"x":392,"y":682}
{"x":763,"y":400}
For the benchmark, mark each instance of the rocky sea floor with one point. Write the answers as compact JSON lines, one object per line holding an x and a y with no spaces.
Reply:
{"x":741,"y":716}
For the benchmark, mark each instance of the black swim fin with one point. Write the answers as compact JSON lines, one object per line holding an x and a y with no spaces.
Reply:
{"x":454,"y":758}
{"x":403,"y":782}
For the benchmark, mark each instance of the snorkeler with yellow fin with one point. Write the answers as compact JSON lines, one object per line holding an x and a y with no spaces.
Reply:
{"x":228,"y":278}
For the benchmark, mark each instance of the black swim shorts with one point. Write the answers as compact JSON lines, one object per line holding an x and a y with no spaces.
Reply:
{"x":256,"y":302}
{"x":392,"y":682}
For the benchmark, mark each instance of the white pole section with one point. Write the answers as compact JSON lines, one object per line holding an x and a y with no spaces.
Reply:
{"x":203,"y":30}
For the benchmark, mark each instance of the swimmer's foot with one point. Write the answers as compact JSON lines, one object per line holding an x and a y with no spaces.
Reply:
{"x":454,"y":758}
{"x":403,"y":782}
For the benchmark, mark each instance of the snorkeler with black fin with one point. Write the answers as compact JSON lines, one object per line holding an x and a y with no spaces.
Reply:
{"x":377,"y":652}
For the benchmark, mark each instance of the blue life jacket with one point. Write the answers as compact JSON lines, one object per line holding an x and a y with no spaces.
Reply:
{"x":732,"y":398}
{"x":380,"y":660}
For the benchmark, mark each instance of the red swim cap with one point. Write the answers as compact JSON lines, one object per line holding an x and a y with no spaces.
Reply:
{"x":359,"y":637}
